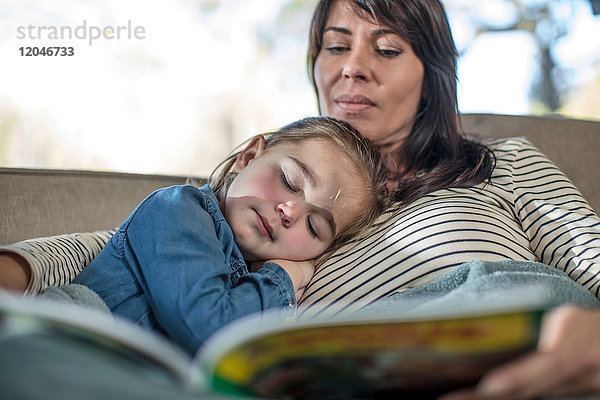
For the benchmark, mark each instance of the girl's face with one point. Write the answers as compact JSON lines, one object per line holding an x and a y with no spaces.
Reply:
{"x":369,"y":77}
{"x":289,"y":201}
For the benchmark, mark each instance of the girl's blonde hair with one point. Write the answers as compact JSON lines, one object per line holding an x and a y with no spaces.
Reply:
{"x":358,"y":150}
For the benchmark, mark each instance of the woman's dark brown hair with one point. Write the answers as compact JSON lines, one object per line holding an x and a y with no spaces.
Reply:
{"x":435,"y":151}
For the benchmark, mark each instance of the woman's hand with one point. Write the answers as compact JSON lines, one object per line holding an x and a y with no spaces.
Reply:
{"x":566,"y":363}
{"x":15,"y":272}
{"x":300,"y":272}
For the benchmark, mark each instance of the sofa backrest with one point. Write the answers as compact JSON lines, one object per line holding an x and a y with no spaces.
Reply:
{"x":36,"y":203}
{"x":573,"y":145}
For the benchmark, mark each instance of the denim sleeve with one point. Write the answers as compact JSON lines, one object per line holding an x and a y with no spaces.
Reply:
{"x":183,"y":269}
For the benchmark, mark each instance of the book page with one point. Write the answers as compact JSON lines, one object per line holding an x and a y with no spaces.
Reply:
{"x":45,"y":317}
{"x":370,"y":358}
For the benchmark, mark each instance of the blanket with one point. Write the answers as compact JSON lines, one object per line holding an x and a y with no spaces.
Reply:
{"x":75,"y":294}
{"x":485,"y":285}
{"x":473,"y":286}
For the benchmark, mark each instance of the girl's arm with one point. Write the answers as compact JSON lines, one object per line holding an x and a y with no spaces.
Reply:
{"x":190,"y":270}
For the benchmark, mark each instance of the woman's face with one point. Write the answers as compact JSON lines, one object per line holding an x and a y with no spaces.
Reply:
{"x":369,"y":77}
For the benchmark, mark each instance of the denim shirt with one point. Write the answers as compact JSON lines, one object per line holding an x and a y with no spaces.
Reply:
{"x":173,"y":266}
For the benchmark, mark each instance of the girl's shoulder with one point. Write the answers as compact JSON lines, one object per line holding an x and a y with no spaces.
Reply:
{"x":180,"y":194}
{"x":180,"y":200}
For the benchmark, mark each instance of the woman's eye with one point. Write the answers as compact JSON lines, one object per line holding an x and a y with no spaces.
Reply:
{"x":388,"y":53}
{"x":311,"y":229}
{"x":336,"y":49}
{"x":287,"y":184}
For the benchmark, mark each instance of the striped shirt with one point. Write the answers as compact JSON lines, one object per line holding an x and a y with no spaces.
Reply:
{"x":56,"y":260}
{"x":529,"y":210}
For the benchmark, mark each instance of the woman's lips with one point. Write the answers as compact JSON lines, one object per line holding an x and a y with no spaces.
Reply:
{"x":354,"y":103}
{"x":263,"y":226}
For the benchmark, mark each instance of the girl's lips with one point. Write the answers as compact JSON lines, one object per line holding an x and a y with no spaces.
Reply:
{"x":263,"y":226}
{"x":354,"y":103}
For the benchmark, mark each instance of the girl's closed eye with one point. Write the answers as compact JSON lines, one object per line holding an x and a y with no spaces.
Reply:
{"x":310,"y":228}
{"x":286,"y":183}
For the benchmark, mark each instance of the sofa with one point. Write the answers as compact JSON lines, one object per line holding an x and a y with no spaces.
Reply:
{"x":37,"y":202}
{"x":40,"y":202}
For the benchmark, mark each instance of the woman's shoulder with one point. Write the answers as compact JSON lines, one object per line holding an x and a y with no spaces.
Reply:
{"x":514,"y":149}
{"x":507,"y":144}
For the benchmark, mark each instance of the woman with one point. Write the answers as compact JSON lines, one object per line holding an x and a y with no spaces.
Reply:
{"x":388,"y":68}
{"x":395,"y":81}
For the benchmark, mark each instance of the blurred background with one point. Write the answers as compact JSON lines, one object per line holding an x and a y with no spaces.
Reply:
{"x":210,"y":73}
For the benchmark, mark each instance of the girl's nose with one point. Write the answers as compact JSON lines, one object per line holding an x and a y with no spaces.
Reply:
{"x":288,"y":212}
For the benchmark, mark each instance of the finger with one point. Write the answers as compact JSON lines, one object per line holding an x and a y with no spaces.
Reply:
{"x":463,"y":394}
{"x":563,"y":355}
{"x":523,"y":379}
{"x":586,"y":384}
{"x":558,"y":328}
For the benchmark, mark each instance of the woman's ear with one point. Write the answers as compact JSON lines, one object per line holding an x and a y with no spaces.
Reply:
{"x":253,"y":150}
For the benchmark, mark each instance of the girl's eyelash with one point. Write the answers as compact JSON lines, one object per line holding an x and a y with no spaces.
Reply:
{"x":286,"y":184}
{"x":291,"y":189}
{"x":311,"y":230}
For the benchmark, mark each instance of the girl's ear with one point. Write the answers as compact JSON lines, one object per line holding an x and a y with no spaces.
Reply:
{"x":253,"y":150}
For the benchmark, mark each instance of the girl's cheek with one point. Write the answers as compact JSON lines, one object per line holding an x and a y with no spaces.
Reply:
{"x":304,"y":245}
{"x":296,"y":237}
{"x":266,"y":188}
{"x":297,"y":241}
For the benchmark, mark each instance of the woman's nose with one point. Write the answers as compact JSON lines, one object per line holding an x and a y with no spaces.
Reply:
{"x":356,"y":66}
{"x":288,"y":212}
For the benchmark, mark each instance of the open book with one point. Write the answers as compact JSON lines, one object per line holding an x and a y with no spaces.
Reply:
{"x":365,"y":358}
{"x":336,"y":358}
